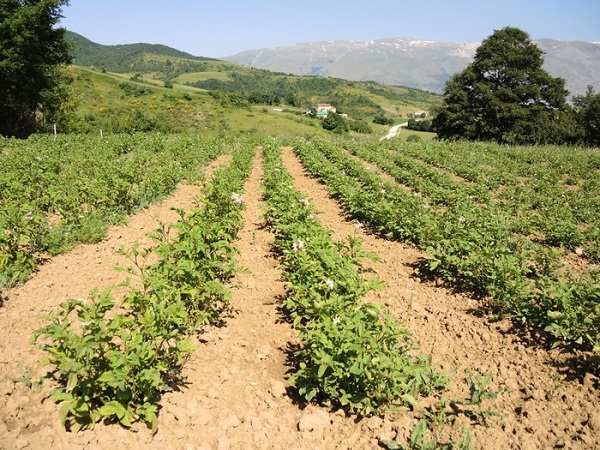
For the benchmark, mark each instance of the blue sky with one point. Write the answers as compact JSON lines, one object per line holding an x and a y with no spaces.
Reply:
{"x":220,"y":28}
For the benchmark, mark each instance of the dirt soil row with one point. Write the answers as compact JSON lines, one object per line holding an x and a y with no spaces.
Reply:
{"x":236,"y":394}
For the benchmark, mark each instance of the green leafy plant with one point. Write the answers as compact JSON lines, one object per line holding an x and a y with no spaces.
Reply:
{"x":488,"y":216}
{"x":480,"y":391}
{"x":114,"y":365}
{"x":26,"y":378}
{"x":436,"y":431}
{"x":57,"y":192}
{"x":114,"y":359}
{"x":362,"y":360}
{"x":355,"y":355}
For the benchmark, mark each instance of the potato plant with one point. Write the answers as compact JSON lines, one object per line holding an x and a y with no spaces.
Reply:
{"x":482,"y":245}
{"x":55,"y":193}
{"x":354,"y":355}
{"x":115,"y":358}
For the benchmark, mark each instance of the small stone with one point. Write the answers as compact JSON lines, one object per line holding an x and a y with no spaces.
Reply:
{"x":314,"y":422}
{"x":23,"y":400}
{"x":223,"y":443}
{"x":416,"y":307}
{"x":21,"y":443}
{"x":7,"y":388}
{"x":202,"y":417}
{"x":231,"y":422}
{"x":340,"y":413}
{"x":277,"y":389}
{"x":226,"y":376}
{"x":594,"y":421}
{"x":256,"y":423}
{"x":403,"y":427}
{"x":263,"y":352}
{"x":374,"y":423}
{"x":179,"y":432}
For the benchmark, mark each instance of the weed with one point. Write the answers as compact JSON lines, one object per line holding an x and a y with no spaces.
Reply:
{"x":26,"y":378}
{"x":480,"y":391}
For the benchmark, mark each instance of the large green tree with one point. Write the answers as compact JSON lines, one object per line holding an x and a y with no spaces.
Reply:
{"x":587,"y":108}
{"x":506,"y":96}
{"x":32,"y":53}
{"x":336,"y":123}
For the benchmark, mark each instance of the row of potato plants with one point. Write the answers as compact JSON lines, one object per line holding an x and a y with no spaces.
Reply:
{"x":354,"y":355}
{"x":57,"y":192}
{"x":470,"y":245}
{"x":580,"y":323}
{"x":553,"y":192}
{"x":438,"y":189}
{"x":114,"y":358}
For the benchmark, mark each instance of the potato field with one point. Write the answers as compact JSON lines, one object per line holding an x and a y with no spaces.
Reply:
{"x":297,"y":293}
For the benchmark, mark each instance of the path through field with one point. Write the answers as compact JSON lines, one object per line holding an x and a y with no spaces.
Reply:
{"x":393,"y":131}
{"x":237,"y":396}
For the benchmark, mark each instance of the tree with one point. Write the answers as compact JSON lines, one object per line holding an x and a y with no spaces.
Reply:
{"x":382,"y":120}
{"x":336,"y":123}
{"x":505,"y":95}
{"x":419,"y":125}
{"x":587,"y":109}
{"x":32,"y":55}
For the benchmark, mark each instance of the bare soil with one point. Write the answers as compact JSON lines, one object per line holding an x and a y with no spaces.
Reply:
{"x":236,"y":394}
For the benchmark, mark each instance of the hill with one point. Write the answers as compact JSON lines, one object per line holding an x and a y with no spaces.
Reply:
{"x":119,"y":58}
{"x":114,"y":103}
{"x":232,"y":84}
{"x":415,"y":63}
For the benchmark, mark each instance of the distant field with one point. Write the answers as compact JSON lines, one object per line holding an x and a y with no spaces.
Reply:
{"x":201,"y":76}
{"x":114,"y":102}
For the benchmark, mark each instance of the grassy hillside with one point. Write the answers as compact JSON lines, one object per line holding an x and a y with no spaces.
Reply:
{"x":114,"y":103}
{"x":149,"y":67}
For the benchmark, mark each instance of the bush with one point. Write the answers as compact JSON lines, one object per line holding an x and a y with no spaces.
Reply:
{"x":336,"y":123}
{"x":419,"y":125}
{"x":359,"y":127}
{"x":382,"y":120}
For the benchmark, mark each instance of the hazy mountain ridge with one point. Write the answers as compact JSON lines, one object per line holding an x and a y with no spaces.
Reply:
{"x":415,"y":63}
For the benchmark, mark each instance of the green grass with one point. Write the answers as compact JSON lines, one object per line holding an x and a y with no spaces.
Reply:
{"x":201,"y":76}
{"x":113,"y":102}
{"x":102,"y":102}
{"x":157,"y":64}
{"x":263,"y":121}
{"x":424,"y":135}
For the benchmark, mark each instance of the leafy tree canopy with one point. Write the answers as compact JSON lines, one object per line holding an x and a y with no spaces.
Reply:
{"x":31,"y":53}
{"x":336,"y":123}
{"x":587,"y":108}
{"x":505,"y":95}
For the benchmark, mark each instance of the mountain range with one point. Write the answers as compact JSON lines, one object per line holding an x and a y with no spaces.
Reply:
{"x":419,"y":64}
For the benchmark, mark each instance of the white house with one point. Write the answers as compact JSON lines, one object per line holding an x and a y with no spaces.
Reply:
{"x":327,"y":107}
{"x":323,"y":109}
